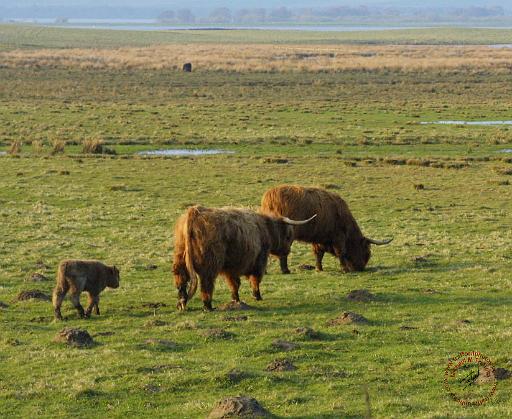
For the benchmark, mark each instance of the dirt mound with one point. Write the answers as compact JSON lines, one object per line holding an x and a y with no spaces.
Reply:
{"x":283,"y":345}
{"x":408,"y":327}
{"x":235,"y":376}
{"x":308,"y":333}
{"x":238,"y":407}
{"x":33,"y":294}
{"x":235,"y":306}
{"x":37,"y":277}
{"x":235,"y":318}
{"x":348,"y":317}
{"x":362,"y":296}
{"x":161,"y":344}
{"x":158,"y":369}
{"x":502,"y":373}
{"x":74,"y":337}
{"x":217,"y":333}
{"x":155,"y":323}
{"x":280,"y":365}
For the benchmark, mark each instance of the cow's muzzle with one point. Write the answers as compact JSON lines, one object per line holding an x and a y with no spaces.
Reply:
{"x":182,"y":304}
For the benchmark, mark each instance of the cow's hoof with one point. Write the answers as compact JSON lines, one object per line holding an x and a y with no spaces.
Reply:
{"x":286,"y":272}
{"x":257,"y":296}
{"x":182,"y":305}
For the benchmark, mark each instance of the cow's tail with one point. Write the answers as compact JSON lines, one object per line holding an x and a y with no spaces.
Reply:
{"x":189,"y":261}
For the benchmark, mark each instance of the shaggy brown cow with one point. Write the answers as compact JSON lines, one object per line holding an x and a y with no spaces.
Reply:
{"x":334,"y":230}
{"x":227,"y":241}
{"x":83,"y":275}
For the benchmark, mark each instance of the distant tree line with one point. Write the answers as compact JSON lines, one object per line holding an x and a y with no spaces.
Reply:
{"x":331,"y":14}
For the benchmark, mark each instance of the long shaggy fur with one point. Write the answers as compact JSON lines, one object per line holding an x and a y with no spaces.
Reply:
{"x":75,"y":276}
{"x":334,"y":230}
{"x":228,"y":241}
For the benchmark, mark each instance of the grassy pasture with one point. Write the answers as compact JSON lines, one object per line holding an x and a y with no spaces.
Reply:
{"x":354,"y":132}
{"x":33,"y":37}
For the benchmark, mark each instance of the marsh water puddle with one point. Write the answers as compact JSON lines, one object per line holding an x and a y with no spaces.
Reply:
{"x":508,"y":122}
{"x":183,"y":152}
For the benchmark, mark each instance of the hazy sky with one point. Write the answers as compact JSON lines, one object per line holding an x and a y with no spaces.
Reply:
{"x":208,"y":4}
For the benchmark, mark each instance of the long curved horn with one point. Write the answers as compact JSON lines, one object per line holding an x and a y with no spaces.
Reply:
{"x":379,"y":242}
{"x":297,"y":223}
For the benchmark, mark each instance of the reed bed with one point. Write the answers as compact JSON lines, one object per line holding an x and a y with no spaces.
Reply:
{"x":269,"y":58}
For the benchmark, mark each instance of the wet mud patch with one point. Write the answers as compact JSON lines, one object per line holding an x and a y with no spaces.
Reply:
{"x":238,"y":407}
{"x":283,"y":345}
{"x":79,"y":338}
{"x":280,"y":365}
{"x":240,"y":318}
{"x":36,"y":277}
{"x":33,"y":295}
{"x":308,"y":333}
{"x":348,"y":317}
{"x":217,"y":334}
{"x":363,"y":296}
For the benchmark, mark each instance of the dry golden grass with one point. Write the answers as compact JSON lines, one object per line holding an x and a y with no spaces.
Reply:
{"x":58,"y":146}
{"x":15,"y":147}
{"x":275,"y":58}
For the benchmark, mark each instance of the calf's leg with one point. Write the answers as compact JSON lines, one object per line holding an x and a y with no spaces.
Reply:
{"x":57,"y":298}
{"x":75,"y":299}
{"x":93,"y":304}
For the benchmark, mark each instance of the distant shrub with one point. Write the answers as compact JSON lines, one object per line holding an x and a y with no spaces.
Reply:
{"x":37,"y":146}
{"x":15,"y":147}
{"x":96,"y":146}
{"x":58,"y":146}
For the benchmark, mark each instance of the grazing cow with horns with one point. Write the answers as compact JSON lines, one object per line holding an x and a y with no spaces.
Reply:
{"x":227,"y":241}
{"x":334,"y":230}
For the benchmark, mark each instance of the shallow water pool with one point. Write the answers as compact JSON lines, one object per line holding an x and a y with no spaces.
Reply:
{"x":183,"y":152}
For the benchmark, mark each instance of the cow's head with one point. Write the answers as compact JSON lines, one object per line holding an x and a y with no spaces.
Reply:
{"x":113,"y":277}
{"x":182,"y":282}
{"x":357,"y":252}
{"x":283,"y":243}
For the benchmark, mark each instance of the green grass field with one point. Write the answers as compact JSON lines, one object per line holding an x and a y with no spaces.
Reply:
{"x":31,"y":36}
{"x":443,"y":286}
